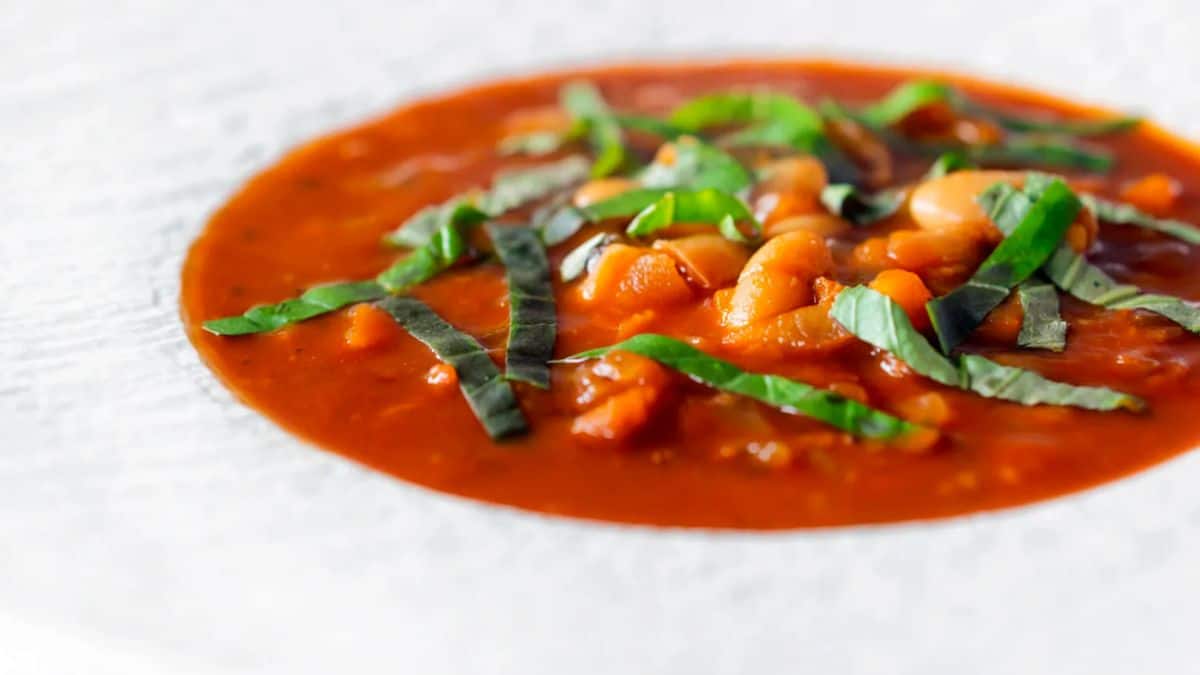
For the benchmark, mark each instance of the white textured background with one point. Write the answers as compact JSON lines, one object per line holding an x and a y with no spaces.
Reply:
{"x":149,"y":524}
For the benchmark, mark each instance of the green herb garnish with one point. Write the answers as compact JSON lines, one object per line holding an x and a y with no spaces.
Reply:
{"x":773,"y":119}
{"x":442,"y":250}
{"x":910,"y":96}
{"x":652,"y":209}
{"x":1029,"y":244}
{"x":574,"y":264}
{"x":859,"y":207}
{"x":879,"y":321}
{"x":906,"y":99}
{"x":585,"y":104}
{"x":1042,"y":151}
{"x":490,"y":397}
{"x":1071,"y":272}
{"x":697,"y":165}
{"x":774,"y":390}
{"x":1127,"y":214}
{"x":947,"y":163}
{"x":509,"y":190}
{"x":650,"y":125}
{"x":693,"y":206}
{"x":1042,"y":327}
{"x":315,"y":301}
{"x":534,"y":144}
{"x":532,"y":323}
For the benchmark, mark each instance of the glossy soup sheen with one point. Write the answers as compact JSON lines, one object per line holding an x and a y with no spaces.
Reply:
{"x":705,"y":459}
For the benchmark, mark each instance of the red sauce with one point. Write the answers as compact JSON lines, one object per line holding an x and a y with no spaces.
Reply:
{"x":363,"y":388}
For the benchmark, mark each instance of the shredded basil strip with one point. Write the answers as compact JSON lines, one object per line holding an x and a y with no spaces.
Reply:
{"x":442,"y":250}
{"x":563,"y":223}
{"x":1042,"y":151}
{"x":905,"y":99}
{"x":315,"y":301}
{"x":1026,"y":248}
{"x":488,"y":394}
{"x":694,"y":206}
{"x":789,"y":395}
{"x":697,"y":165}
{"x":650,"y":125}
{"x":509,"y":190}
{"x":879,"y":321}
{"x":774,"y":119}
{"x":1127,"y":214}
{"x":1072,"y":273}
{"x":651,"y":212}
{"x":1042,"y":327}
{"x":914,"y":94}
{"x":584,"y":103}
{"x":575,"y":263}
{"x":534,"y":144}
{"x":1098,"y":127}
{"x":532,"y":322}
{"x":949,"y":162}
{"x":858,"y":207}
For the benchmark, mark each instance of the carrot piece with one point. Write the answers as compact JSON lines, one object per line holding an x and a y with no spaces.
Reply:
{"x":1154,"y":193}
{"x":369,"y":327}
{"x":619,"y":416}
{"x":908,"y":291}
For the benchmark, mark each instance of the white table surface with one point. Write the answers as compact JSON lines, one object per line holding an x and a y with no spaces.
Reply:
{"x":150,"y":524}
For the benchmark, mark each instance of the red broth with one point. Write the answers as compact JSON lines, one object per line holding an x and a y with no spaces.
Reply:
{"x":356,"y":384}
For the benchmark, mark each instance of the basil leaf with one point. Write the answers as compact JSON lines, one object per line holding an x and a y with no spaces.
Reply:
{"x":1049,"y":152}
{"x":510,"y":190}
{"x":688,"y":206}
{"x":561,"y":224}
{"x":313,"y":302}
{"x":584,"y":103}
{"x":875,"y":319}
{"x":1072,"y":273}
{"x":574,"y":264}
{"x":858,"y":207}
{"x":697,"y":165}
{"x":532,"y":322}
{"x":490,"y":397}
{"x":1127,"y":214}
{"x":914,"y":94}
{"x":623,"y":205}
{"x":789,"y":395}
{"x":650,"y":125}
{"x":1026,"y":248}
{"x":535,"y":144}
{"x":905,"y":99}
{"x":1042,"y":326}
{"x":879,"y":321}
{"x":707,"y":206}
{"x":947,"y":163}
{"x":993,"y":380}
{"x":1020,"y":123}
{"x":442,"y":250}
{"x":784,"y":119}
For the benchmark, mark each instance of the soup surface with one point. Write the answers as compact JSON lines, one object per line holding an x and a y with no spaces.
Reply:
{"x":628,"y":437}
